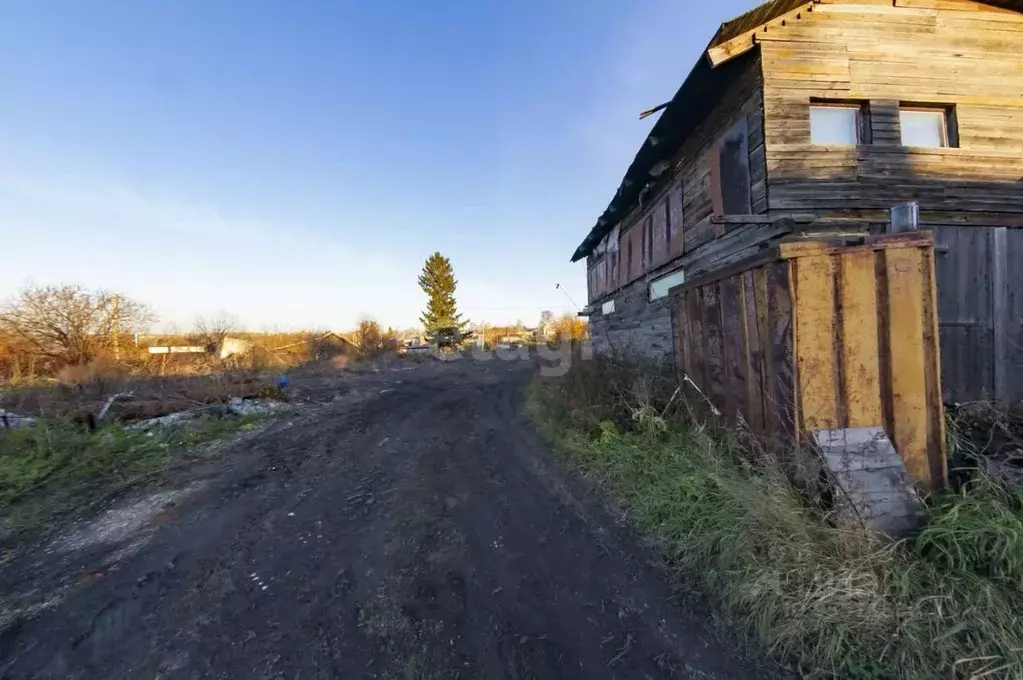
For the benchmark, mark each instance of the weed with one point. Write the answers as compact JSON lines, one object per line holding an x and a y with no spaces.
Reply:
{"x":836,"y":599}
{"x":980,"y":429}
{"x":978,"y":529}
{"x":56,"y":467}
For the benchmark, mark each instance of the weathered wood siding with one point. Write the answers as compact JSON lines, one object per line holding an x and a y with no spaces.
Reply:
{"x":935,"y":52}
{"x":643,"y":327}
{"x":818,"y":335}
{"x":980,"y":311}
{"x":637,"y":326}
{"x":686,"y":194}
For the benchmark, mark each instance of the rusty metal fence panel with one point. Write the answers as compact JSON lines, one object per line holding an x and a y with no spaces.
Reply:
{"x":818,"y":334}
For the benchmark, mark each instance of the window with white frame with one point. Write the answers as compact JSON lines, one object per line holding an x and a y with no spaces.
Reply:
{"x":924,"y":127}
{"x":608,"y":307}
{"x":835,"y":123}
{"x":660,"y":286}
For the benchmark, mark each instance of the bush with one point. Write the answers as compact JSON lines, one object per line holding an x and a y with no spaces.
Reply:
{"x":373,"y":342}
{"x":100,"y":371}
{"x":836,"y":599}
{"x":611,"y":388}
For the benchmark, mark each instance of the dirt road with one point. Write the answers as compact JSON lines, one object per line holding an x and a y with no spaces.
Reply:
{"x":423,"y":532}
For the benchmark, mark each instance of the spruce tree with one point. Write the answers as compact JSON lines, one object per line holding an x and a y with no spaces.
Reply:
{"x":441,"y":319}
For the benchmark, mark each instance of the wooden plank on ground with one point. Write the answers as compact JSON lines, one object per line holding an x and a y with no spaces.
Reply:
{"x":873,"y":481}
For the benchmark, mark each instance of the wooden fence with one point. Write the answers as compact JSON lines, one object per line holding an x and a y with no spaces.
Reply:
{"x":820,"y":335}
{"x":980,"y":312}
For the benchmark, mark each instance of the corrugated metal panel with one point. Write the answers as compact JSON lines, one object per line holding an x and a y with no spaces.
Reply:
{"x":819,"y":335}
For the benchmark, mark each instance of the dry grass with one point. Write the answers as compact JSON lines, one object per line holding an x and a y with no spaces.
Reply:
{"x":833,"y":599}
{"x":19,"y":367}
{"x":58,"y":468}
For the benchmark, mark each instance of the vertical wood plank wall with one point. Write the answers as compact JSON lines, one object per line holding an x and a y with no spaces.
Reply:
{"x":980,"y":312}
{"x":815,"y":336}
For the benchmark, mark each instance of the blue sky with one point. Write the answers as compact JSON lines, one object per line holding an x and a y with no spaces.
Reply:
{"x":293,"y":163}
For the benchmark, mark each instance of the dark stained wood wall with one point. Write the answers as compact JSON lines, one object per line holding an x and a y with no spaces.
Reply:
{"x":948,"y":52}
{"x":980,"y":312}
{"x":687,"y":186}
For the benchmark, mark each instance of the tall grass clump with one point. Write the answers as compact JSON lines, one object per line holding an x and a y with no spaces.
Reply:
{"x":978,"y":529}
{"x":830,"y":597}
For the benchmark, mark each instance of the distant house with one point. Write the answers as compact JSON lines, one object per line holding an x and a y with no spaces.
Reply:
{"x":818,"y":118}
{"x":324,"y":346}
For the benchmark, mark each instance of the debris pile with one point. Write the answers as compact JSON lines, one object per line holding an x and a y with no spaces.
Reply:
{"x":142,"y":410}
{"x":10,"y":421}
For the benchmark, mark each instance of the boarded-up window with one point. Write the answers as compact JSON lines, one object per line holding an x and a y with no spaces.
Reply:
{"x":628,"y":260}
{"x":667,"y":221}
{"x":733,"y":181}
{"x":676,"y":197}
{"x":648,"y":242}
{"x":612,"y":267}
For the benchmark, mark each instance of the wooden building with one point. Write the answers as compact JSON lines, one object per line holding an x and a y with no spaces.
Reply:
{"x":810,"y":118}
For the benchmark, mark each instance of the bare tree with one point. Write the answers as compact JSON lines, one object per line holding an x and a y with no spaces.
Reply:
{"x":370,"y":337}
{"x":213,"y":330}
{"x":70,"y":324}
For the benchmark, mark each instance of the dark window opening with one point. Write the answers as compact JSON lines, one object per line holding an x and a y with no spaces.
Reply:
{"x":733,"y":168}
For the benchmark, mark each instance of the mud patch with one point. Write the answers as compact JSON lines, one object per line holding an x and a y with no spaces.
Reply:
{"x":126,"y":522}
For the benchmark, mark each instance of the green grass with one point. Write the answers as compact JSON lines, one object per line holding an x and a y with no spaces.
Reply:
{"x":978,"y":529}
{"x":57,"y":467}
{"x":833,"y":599}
